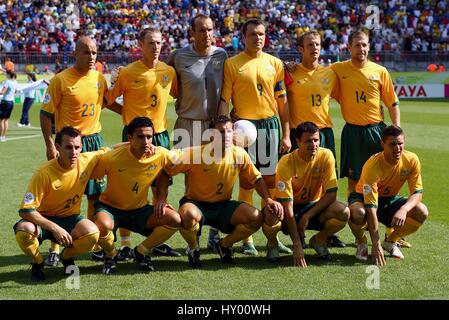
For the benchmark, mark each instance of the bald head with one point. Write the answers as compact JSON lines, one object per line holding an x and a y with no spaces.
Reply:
{"x":85,"y":54}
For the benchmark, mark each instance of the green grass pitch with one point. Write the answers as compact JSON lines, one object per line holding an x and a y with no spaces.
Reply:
{"x":422,"y":275}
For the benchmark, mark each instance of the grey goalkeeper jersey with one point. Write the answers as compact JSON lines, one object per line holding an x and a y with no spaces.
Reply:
{"x":200,"y":79}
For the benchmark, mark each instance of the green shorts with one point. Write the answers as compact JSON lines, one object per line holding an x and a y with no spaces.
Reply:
{"x":299,"y":209}
{"x":133,"y":220}
{"x":93,"y":142}
{"x":358,"y":144}
{"x":67,"y":223}
{"x":161,"y":139}
{"x":386,"y":207}
{"x":215,"y":214}
{"x":265,"y":152}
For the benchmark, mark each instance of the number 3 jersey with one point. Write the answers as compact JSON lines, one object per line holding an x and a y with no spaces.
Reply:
{"x":76,"y":100}
{"x":55,"y":191}
{"x":305,"y":181}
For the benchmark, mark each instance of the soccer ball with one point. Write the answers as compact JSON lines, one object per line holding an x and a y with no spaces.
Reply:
{"x":245,"y":133}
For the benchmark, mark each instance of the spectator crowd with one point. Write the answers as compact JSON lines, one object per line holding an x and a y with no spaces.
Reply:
{"x":52,"y":26}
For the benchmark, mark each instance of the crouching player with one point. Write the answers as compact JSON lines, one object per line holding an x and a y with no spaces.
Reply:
{"x":130,"y":171}
{"x":51,"y":206}
{"x":376,"y":198}
{"x":306,"y":185}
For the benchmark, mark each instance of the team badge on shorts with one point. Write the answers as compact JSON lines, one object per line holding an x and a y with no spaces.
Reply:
{"x":29,"y":198}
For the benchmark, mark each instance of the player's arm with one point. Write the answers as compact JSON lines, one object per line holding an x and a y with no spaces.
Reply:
{"x":274,"y":206}
{"x":116,"y":107}
{"x":226,"y":91}
{"x":389,"y":97}
{"x":223,"y":108}
{"x":46,"y":123}
{"x":61,"y":235}
{"x":373,"y":226}
{"x":395,"y":115}
{"x":284,"y":114}
{"x":298,"y":250}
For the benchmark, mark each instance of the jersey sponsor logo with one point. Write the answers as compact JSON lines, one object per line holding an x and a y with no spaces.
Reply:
{"x":29,"y":198}
{"x":165,"y":80}
{"x":404,"y":174}
{"x":152,"y":167}
{"x":345,"y":77}
{"x":366,"y":189}
{"x":47,"y":98}
{"x":216,"y":64}
{"x":281,"y":186}
{"x":121,"y":170}
{"x":325,"y":81}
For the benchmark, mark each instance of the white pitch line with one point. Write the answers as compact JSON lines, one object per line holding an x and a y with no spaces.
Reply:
{"x":24,"y":137}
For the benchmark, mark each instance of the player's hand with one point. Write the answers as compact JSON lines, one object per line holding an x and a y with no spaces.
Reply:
{"x":298,"y":256}
{"x":377,"y":253}
{"x":114,"y":74}
{"x":302,"y":226}
{"x":291,"y":66}
{"x":151,"y":150}
{"x":159,"y":208}
{"x":52,"y":152}
{"x":285,"y":145}
{"x":399,"y":218}
{"x":276,"y":208}
{"x":62,"y":236}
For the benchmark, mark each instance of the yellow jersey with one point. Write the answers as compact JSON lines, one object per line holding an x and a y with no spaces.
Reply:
{"x":382,"y":179}
{"x":76,"y":100}
{"x":213,"y":180}
{"x":54,"y":191}
{"x":309,"y":96}
{"x":362,"y":90}
{"x":145,"y":92}
{"x":129,"y":178}
{"x":253,"y":85}
{"x":305,"y":181}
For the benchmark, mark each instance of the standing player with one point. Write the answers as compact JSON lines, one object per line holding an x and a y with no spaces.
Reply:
{"x":253,"y":80}
{"x":130,"y":172}
{"x":376,"y":198}
{"x":75,"y":98}
{"x":199,"y":68}
{"x":210,"y":181}
{"x":306,"y":185}
{"x":309,"y":96}
{"x":363,"y":85}
{"x":145,"y":85}
{"x":51,"y":206}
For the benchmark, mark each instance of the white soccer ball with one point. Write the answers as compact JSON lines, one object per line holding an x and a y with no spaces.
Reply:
{"x":245,"y":133}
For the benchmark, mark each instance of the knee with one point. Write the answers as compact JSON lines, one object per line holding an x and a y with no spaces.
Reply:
{"x":420,"y":212}
{"x":26,"y":226}
{"x":104,"y":223}
{"x":343,"y":212}
{"x":188,"y":217}
{"x":269,"y":218}
{"x":172,"y":218}
{"x":357,"y":213}
{"x":255,"y":216}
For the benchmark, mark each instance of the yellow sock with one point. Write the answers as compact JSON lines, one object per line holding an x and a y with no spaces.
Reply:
{"x":271,"y":233}
{"x":241,"y":231}
{"x":107,"y":244}
{"x":331,"y":226}
{"x":189,"y":236}
{"x":90,"y":216}
{"x":358,"y":230}
{"x":29,"y":244}
{"x":389,"y":231}
{"x":410,"y":226}
{"x":246,"y":195}
{"x":159,"y":235}
{"x":271,"y":192}
{"x":54,"y":247}
{"x":82,"y":245}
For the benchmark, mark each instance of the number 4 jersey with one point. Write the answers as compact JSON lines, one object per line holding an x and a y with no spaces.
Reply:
{"x":54,"y":191}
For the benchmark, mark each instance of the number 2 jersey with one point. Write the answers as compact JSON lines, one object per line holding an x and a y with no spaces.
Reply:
{"x":76,"y":100}
{"x":55,"y":191}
